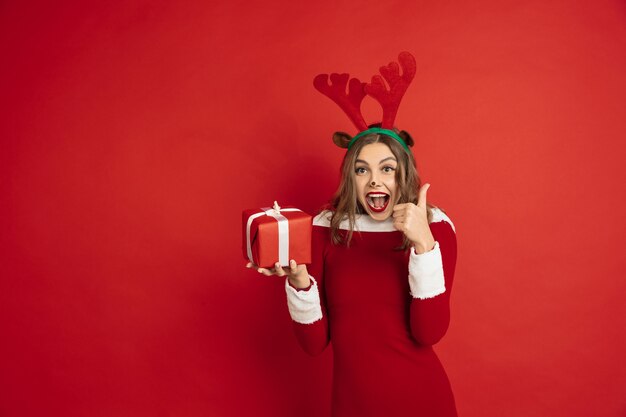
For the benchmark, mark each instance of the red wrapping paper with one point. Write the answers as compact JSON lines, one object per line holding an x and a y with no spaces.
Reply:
{"x":264,"y":238}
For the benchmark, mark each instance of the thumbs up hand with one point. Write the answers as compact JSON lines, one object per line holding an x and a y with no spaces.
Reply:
{"x":412,"y":220}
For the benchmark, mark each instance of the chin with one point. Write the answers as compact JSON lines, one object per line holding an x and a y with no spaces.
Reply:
{"x":381,"y":216}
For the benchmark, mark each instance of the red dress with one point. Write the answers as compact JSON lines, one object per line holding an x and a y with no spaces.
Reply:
{"x":381,"y":309}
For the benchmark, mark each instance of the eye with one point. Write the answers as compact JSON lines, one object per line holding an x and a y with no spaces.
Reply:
{"x":360,"y":171}
{"x":388,"y":169}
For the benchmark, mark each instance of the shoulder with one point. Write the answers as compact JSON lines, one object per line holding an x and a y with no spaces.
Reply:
{"x":437,"y":215}
{"x":323,"y":219}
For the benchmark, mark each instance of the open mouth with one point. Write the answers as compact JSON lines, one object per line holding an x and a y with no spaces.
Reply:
{"x":377,"y":201}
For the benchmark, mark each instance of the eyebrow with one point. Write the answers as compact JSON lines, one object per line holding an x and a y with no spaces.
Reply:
{"x":381,"y":161}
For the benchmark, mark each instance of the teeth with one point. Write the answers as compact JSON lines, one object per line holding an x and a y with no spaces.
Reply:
{"x":377,"y":200}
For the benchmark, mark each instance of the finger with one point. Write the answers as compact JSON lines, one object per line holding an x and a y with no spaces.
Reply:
{"x":404,"y":213}
{"x":421,"y":200}
{"x":293,"y":266}
{"x":249,"y":265}
{"x":399,"y":216}
{"x":279,"y":270}
{"x":404,"y":207}
{"x":266,"y":272}
{"x":400,"y":213}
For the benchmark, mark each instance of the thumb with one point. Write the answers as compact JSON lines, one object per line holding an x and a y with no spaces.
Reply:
{"x":421,"y":199}
{"x":293,"y":266}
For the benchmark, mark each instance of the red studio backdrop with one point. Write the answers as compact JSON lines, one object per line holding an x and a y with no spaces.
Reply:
{"x":133,"y":134}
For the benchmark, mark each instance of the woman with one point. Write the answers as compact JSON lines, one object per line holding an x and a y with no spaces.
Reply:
{"x":379,"y":284}
{"x":356,"y":292}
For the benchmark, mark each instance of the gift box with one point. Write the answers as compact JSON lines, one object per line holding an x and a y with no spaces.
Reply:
{"x":275,"y":234}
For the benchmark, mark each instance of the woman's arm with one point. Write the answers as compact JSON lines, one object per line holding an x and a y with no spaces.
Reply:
{"x":307,"y":306}
{"x":305,"y":295}
{"x":430,"y":278}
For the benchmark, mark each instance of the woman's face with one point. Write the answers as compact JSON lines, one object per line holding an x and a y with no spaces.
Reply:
{"x":375,"y":175}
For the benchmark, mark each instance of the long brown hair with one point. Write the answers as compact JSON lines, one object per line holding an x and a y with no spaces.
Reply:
{"x":346,"y":205}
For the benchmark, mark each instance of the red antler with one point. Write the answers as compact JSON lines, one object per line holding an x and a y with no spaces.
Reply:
{"x":390,"y":99}
{"x":350,"y":103}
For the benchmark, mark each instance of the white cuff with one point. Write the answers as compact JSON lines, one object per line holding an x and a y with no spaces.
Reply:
{"x":426,"y":273}
{"x":304,"y":306}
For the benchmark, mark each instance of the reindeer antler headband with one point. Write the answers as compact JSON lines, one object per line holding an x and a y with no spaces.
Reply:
{"x":389,"y":99}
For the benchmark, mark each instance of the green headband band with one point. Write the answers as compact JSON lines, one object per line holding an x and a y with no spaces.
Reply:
{"x":380,"y":131}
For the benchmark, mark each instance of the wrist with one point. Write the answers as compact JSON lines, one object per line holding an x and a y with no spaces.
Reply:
{"x":424,"y":246}
{"x":300,"y":280}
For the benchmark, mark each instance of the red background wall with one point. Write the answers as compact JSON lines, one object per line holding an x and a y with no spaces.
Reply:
{"x":133,"y":134}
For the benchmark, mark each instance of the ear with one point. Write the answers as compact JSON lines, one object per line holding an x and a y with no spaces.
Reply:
{"x":341,"y":139}
{"x":406,"y":137}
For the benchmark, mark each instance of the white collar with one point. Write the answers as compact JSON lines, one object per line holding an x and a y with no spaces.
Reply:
{"x":362,"y":223}
{"x":365,"y":223}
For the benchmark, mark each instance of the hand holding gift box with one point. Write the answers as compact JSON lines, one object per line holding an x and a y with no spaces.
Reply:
{"x":276,"y":235}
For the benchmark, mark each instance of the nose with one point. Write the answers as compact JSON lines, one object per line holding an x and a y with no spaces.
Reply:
{"x":374,"y":180}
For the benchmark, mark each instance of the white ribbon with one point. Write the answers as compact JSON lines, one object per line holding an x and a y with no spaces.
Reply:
{"x":283,"y":232}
